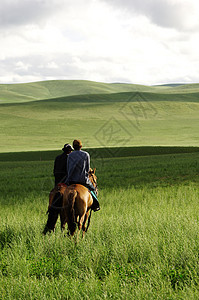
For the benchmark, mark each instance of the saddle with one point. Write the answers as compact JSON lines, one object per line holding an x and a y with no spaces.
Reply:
{"x":60,"y":185}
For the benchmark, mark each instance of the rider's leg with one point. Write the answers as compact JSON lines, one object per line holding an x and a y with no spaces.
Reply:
{"x":53,"y":213}
{"x":95,"y":205}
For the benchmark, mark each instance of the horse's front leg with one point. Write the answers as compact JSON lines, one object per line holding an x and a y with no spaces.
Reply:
{"x":63,"y":219}
{"x":87,"y":217}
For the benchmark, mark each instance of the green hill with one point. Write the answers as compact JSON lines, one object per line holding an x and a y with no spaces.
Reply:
{"x":102,"y":120}
{"x":59,"y":88}
{"x":26,"y":92}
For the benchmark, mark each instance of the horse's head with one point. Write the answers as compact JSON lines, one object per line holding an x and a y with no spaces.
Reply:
{"x":93,"y":178}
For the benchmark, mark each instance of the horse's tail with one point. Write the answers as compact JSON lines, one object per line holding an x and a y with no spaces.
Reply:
{"x":71,"y":211}
{"x":51,"y":197}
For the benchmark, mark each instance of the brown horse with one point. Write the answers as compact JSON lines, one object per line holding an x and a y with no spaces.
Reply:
{"x":73,"y":203}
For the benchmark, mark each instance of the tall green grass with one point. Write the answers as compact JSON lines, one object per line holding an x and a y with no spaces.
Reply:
{"x":142,"y":244}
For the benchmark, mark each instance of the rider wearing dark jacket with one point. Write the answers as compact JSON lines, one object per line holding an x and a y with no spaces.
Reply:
{"x":60,"y":164}
{"x":60,"y":173}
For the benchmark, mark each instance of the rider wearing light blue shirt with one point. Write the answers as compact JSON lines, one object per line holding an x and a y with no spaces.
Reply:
{"x":78,"y":165}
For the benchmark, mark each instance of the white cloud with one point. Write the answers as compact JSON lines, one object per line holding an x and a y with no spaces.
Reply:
{"x":179,"y":14}
{"x":145,"y":42}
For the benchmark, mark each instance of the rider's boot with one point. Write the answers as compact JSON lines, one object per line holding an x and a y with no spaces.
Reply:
{"x":95,"y":206}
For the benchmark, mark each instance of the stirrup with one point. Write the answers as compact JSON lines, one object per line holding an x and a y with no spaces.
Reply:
{"x":94,"y":195}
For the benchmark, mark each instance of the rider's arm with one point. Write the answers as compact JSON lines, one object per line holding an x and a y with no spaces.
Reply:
{"x":88,"y":163}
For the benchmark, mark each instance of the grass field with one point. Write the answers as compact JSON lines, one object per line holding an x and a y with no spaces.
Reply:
{"x":144,"y":142}
{"x":109,"y":116}
{"x":142,"y":244}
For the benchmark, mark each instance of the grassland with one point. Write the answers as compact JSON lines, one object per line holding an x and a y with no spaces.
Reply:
{"x":143,"y":244}
{"x":146,"y":116}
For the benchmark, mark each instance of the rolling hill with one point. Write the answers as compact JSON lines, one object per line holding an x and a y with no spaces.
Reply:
{"x":25,"y":92}
{"x":59,"y":88}
{"x":45,"y":115}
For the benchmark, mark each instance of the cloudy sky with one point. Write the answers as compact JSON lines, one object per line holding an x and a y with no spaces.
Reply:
{"x":135,"y":41}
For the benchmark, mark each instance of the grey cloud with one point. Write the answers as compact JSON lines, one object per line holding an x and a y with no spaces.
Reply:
{"x":21,"y":12}
{"x":164,"y":13}
{"x":40,"y":66}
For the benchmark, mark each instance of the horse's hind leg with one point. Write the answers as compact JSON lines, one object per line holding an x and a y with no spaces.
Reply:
{"x":63,"y":220}
{"x":80,"y":222}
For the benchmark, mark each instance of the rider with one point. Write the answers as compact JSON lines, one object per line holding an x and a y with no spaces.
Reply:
{"x":60,"y":164}
{"x":78,"y":166}
{"x":60,"y":173}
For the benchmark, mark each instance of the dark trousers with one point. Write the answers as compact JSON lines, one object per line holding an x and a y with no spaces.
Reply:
{"x":54,"y":211}
{"x":59,"y":179}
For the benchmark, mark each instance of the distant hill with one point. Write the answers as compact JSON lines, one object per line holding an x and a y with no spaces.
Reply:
{"x":101,"y":120}
{"x":60,"y":88}
{"x":46,"y":115}
{"x":170,"y":84}
{"x":25,"y":92}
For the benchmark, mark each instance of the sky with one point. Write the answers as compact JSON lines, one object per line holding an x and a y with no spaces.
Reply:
{"x":130,"y":41}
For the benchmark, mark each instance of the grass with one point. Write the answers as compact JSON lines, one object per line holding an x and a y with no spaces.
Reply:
{"x":45,"y":115}
{"x":110,"y":120}
{"x":97,"y":153}
{"x":143,"y":244}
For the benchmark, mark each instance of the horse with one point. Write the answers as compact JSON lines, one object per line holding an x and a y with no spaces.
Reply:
{"x":73,"y":203}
